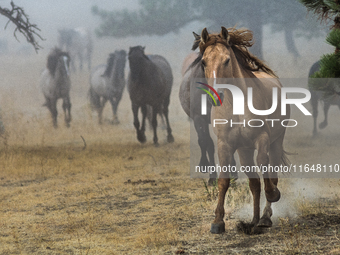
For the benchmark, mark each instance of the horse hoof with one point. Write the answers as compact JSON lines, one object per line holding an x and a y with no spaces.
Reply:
{"x":265,"y":222}
{"x":234,"y":175}
{"x":212,"y":181}
{"x":141,"y":138}
{"x":217,"y":228}
{"x":170,"y":139}
{"x":156,"y":144}
{"x":115,"y":122}
{"x":322,"y":125}
{"x":273,"y":196}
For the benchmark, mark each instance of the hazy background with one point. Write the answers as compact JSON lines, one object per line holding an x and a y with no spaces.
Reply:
{"x":53,"y":15}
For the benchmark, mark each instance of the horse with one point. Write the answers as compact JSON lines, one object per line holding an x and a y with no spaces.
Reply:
{"x":149,"y":83}
{"x":78,"y":42}
{"x":226,"y":55}
{"x":55,"y":83}
{"x":107,"y":82}
{"x":192,"y":108}
{"x":317,"y":96}
{"x":188,"y":60}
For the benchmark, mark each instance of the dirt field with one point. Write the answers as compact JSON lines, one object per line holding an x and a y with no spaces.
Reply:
{"x":116,"y":196}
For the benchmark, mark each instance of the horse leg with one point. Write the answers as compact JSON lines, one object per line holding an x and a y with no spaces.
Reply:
{"x":275,"y":159}
{"x":262,"y":145}
{"x":325,"y":110}
{"x":67,"y":110}
{"x":80,"y":57}
{"x":140,"y":135}
{"x":52,"y":106}
{"x":154,"y":124}
{"x":225,"y":153}
{"x":114,"y":104}
{"x":314,"y":102}
{"x":205,"y":142}
{"x":247,"y":159}
{"x":166,"y":115}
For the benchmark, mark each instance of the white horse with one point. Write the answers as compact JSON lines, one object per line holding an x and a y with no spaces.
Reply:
{"x":78,"y":42}
{"x":55,"y":83}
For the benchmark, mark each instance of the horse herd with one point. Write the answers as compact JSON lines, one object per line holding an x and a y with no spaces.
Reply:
{"x":221,"y":55}
{"x":149,"y":84}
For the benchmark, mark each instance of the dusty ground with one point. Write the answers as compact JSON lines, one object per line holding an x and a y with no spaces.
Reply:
{"x":116,"y":196}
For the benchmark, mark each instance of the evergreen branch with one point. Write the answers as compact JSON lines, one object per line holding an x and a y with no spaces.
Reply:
{"x":324,"y":9}
{"x":18,"y":16}
{"x":333,"y":38}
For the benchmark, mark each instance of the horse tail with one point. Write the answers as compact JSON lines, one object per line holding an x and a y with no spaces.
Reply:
{"x":284,"y":158}
{"x":94,"y":99}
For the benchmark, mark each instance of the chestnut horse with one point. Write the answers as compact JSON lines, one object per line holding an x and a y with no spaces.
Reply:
{"x":225,"y":55}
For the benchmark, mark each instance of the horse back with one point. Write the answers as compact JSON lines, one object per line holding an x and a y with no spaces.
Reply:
{"x":164,"y":66}
{"x":315,"y":67}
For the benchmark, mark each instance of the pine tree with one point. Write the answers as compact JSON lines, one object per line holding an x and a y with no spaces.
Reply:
{"x":159,"y":17}
{"x":329,"y":63}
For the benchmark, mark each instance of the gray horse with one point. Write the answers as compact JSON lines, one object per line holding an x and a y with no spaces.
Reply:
{"x":107,"y":83}
{"x":78,"y":42}
{"x":55,"y":83}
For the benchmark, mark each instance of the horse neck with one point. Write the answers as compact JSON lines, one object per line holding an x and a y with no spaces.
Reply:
{"x":137,"y":68}
{"x":60,"y":75}
{"x":117,"y":72}
{"x":240,"y":73}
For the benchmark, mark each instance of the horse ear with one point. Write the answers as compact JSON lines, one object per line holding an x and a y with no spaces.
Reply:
{"x":204,"y":35}
{"x":197,"y":36}
{"x":224,"y":34}
{"x":196,"y":42}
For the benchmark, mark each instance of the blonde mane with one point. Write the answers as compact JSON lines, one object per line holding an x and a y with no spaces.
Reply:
{"x":239,"y":40}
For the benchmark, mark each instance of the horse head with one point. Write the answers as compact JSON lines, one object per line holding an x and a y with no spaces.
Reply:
{"x":226,"y":54}
{"x":216,"y":53}
{"x":58,"y":60}
{"x":136,"y":52}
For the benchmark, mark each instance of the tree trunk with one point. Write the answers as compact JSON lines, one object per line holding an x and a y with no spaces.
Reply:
{"x":290,"y":43}
{"x":255,"y":24}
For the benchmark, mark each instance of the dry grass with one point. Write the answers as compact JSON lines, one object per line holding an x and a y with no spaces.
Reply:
{"x":116,"y":196}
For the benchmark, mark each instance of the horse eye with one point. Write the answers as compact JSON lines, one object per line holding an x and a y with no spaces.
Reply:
{"x":227,"y":62}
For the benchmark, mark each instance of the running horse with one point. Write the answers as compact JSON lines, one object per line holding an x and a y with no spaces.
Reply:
{"x":316,"y":96}
{"x":149,"y":84}
{"x":107,"y":83}
{"x":188,"y":95}
{"x":55,"y":83}
{"x":226,"y":55}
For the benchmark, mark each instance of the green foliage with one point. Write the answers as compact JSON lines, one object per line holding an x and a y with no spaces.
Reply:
{"x":329,"y":63}
{"x":333,"y":38}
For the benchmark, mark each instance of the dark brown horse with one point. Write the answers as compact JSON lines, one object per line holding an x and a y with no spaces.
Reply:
{"x":225,"y":55}
{"x":149,"y":83}
{"x":55,"y":83}
{"x":316,"y":96}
